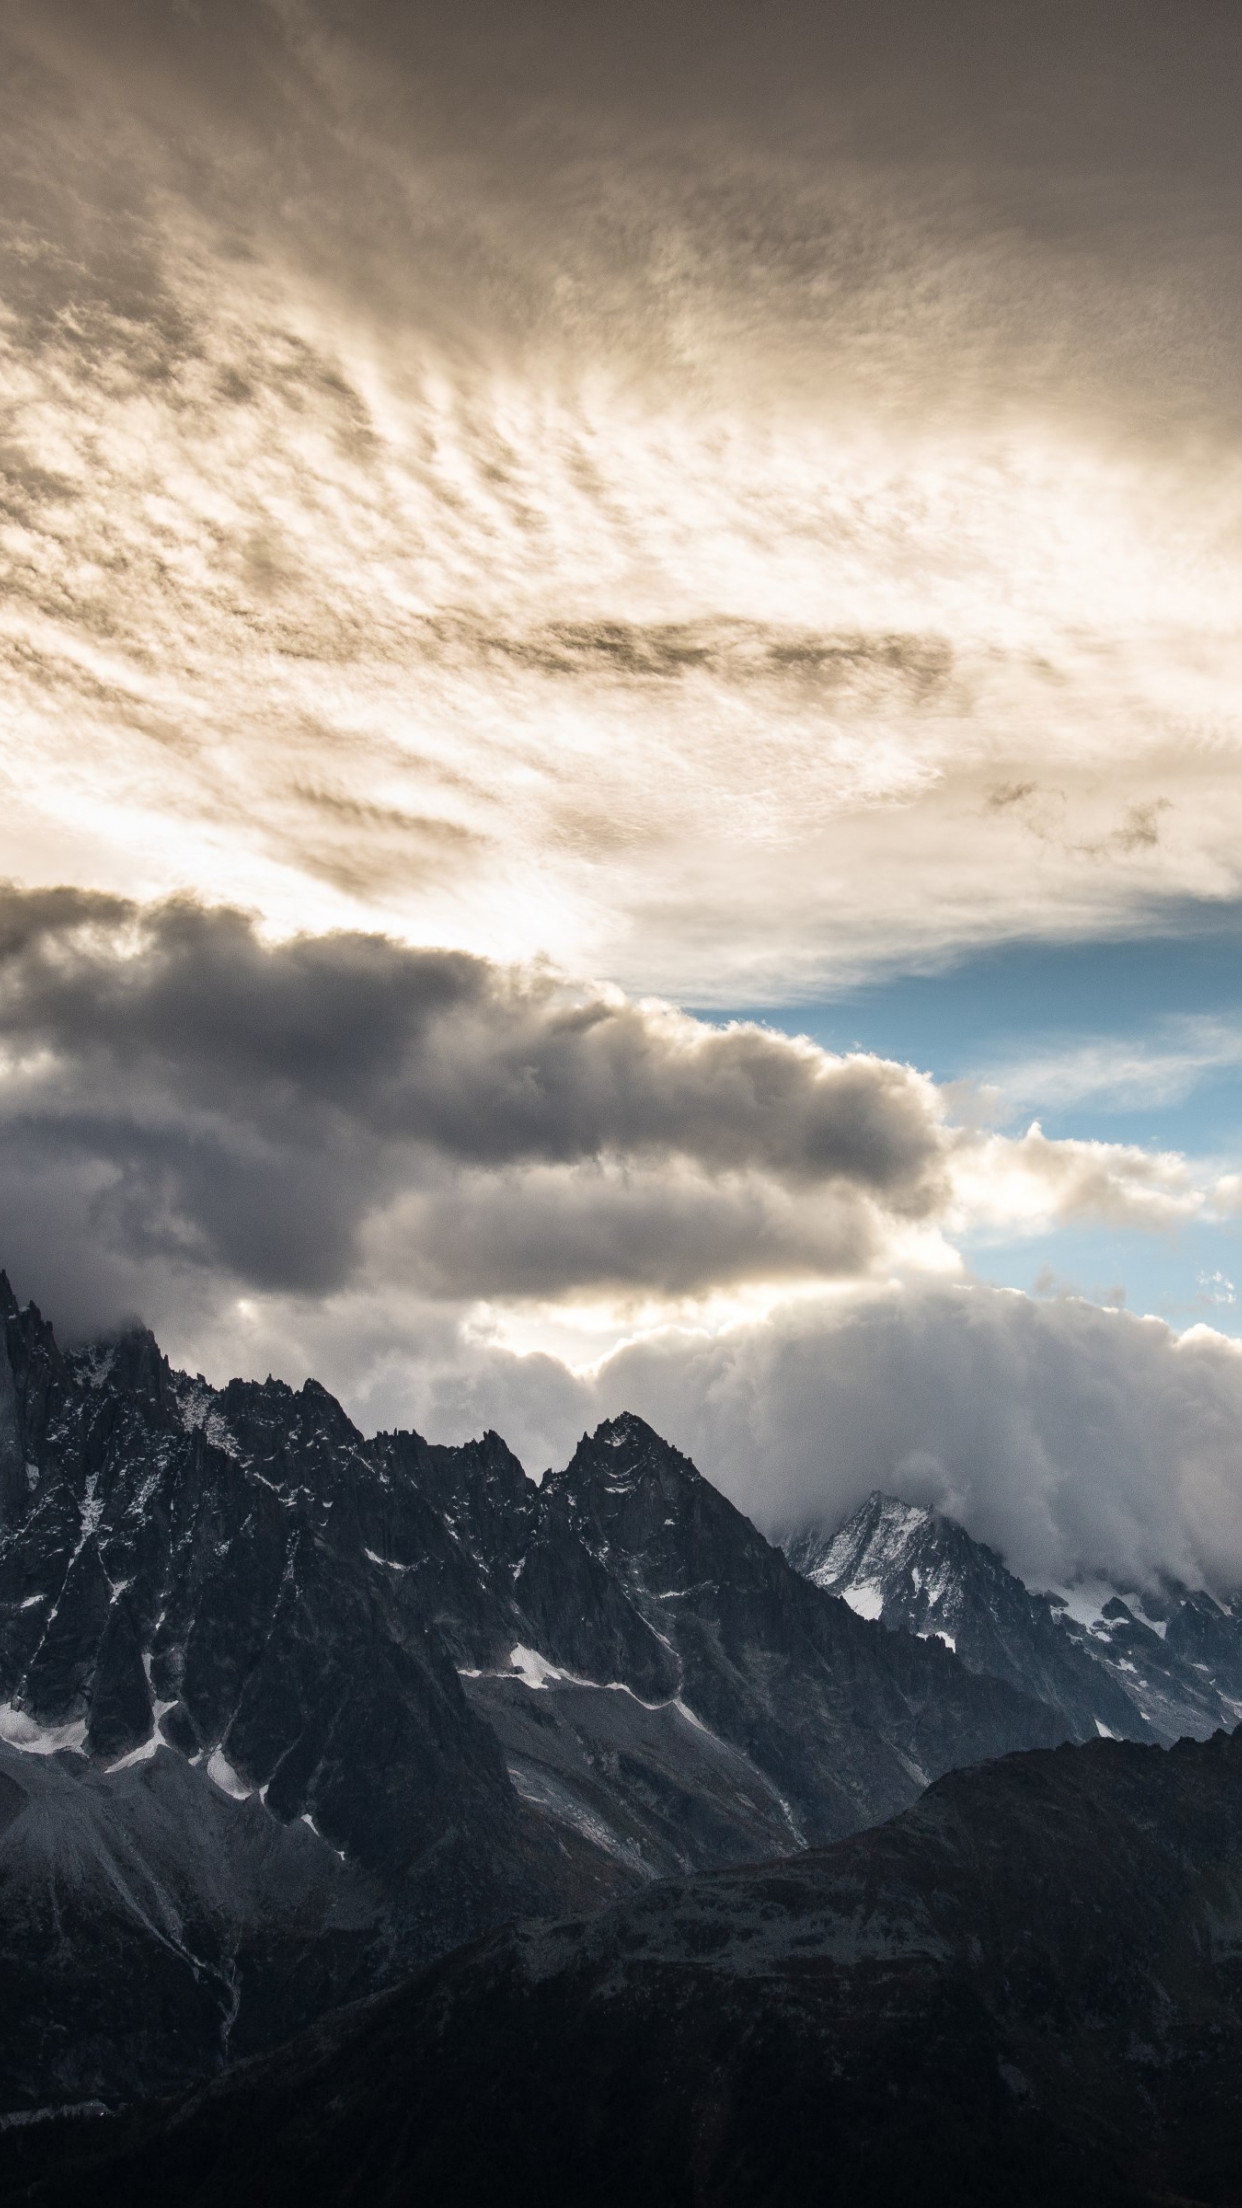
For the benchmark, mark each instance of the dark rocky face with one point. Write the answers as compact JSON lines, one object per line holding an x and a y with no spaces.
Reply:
{"x":233,"y":1630}
{"x":1026,"y":1988}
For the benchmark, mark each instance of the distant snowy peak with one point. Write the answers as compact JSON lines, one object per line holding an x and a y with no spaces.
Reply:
{"x":868,"y":1556}
{"x":916,"y":1571}
{"x":1156,"y":1665}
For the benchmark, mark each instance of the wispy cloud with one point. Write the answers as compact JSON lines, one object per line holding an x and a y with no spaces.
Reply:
{"x":1122,"y":1073}
{"x":697,"y":562}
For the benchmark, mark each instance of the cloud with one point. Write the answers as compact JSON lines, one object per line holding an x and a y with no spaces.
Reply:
{"x":338,"y":1155}
{"x":536,"y":507}
{"x":1075,"y":1440}
{"x":715,"y":513}
{"x":286,"y":1113}
{"x":182,"y":1096}
{"x":1040,"y":1181}
{"x":484,"y":1065}
{"x":1121,"y":1072}
{"x":1080,"y":1442}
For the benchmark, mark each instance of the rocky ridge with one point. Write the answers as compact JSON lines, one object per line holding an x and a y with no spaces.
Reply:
{"x":1026,"y":1988}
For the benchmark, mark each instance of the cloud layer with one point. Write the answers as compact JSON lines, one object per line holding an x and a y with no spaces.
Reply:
{"x":338,"y":1155}
{"x":293,"y":1115}
{"x":303,"y":1113}
{"x":705,"y":506}
{"x":296,"y":1116}
{"x":1081,"y":1443}
{"x":545,"y":507}
{"x":1077,"y":1441}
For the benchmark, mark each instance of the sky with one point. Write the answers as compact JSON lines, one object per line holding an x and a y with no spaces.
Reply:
{"x":620,"y":775}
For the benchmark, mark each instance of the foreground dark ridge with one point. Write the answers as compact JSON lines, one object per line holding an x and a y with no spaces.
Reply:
{"x":1027,"y":1989}
{"x":290,"y":1711}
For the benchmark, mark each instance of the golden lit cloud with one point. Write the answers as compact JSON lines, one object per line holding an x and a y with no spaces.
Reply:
{"x":695,"y":567}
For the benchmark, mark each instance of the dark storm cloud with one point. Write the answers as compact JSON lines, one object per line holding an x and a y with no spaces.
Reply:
{"x":250,"y":1107}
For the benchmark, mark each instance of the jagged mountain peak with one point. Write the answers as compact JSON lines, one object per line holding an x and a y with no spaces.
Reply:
{"x":633,"y":1497}
{"x":626,"y":1448}
{"x":887,"y":1541}
{"x":622,"y":1464}
{"x":129,"y":1363}
{"x":886,"y":1522}
{"x":887,"y":1509}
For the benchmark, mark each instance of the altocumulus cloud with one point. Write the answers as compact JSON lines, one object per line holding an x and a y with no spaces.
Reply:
{"x":539,"y":484}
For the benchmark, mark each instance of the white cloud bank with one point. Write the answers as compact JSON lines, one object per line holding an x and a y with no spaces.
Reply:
{"x":1079,"y":1442}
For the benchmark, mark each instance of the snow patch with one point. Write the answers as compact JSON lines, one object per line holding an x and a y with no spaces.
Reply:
{"x":21,"y":2116}
{"x":144,"y":1753}
{"x":137,"y":1755}
{"x":92,"y":1512}
{"x":1158,"y":1626}
{"x":534,"y":1670}
{"x":194,"y":1400}
{"x":25,"y":1732}
{"x":222,"y":1774}
{"x":307,"y":1819}
{"x":1085,"y":1600}
{"x":867,"y":1601}
{"x":853,"y":1553}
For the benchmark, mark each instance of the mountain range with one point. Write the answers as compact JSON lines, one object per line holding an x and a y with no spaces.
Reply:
{"x":377,"y":1822}
{"x":286,"y":1712}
